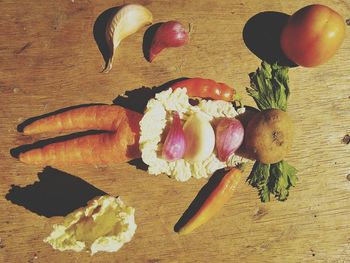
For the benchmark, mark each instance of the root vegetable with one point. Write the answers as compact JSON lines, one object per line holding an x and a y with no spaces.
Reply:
{"x":169,"y":34}
{"x":118,"y":146}
{"x":95,"y":117}
{"x":269,"y":136}
{"x":269,"y":133}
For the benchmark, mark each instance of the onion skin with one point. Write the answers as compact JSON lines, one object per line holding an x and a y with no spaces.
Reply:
{"x":229,"y":134}
{"x":169,"y":34}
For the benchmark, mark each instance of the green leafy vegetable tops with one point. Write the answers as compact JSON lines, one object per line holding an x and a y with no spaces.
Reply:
{"x":269,"y":88}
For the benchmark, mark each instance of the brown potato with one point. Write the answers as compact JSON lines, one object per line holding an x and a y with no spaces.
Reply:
{"x":269,"y":136}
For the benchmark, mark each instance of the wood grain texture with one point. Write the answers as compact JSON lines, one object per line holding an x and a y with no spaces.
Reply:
{"x":49,"y":60}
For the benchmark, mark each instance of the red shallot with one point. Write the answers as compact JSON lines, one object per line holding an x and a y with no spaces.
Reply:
{"x":174,"y":145}
{"x":229,"y":135}
{"x":169,"y":34}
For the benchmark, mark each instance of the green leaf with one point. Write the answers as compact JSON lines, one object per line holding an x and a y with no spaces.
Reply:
{"x":279,"y":181}
{"x":291,"y":172}
{"x":259,"y":178}
{"x":269,"y":89}
{"x":269,"y":86}
{"x":275,"y":179}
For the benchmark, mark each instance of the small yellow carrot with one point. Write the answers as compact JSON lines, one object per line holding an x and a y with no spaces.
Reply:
{"x":214,"y":202}
{"x":118,"y":146}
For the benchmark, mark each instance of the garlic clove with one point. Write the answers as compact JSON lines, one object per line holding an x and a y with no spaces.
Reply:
{"x":127,"y":21}
{"x":200,"y":138}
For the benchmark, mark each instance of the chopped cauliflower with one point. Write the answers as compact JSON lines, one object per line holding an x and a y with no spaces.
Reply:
{"x":158,"y":111}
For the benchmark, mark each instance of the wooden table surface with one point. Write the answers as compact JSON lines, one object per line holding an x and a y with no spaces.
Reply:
{"x":49,"y":60}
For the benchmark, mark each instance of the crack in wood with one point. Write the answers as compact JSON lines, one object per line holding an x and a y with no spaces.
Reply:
{"x":26,"y":46}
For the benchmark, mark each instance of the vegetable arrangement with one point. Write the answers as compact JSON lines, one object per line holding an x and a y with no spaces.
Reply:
{"x":270,"y":132}
{"x":311,"y":37}
{"x":200,"y":118}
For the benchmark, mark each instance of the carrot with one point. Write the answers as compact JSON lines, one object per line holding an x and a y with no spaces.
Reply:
{"x":118,"y":146}
{"x":214,"y":202}
{"x":206,"y":88}
{"x":99,"y":117}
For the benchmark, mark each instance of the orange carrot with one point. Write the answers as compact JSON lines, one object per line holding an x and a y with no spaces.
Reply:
{"x":118,"y":146}
{"x":214,"y":202}
{"x":99,"y":117}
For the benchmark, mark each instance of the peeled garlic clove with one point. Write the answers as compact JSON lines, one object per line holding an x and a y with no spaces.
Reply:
{"x":127,"y":21}
{"x":199,"y":137}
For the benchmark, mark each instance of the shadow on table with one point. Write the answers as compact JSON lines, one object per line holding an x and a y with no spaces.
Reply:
{"x":55,"y":194}
{"x":262,"y":33}
{"x":29,"y":121}
{"x":201,"y":197}
{"x":139,"y":164}
{"x":15,"y":152}
{"x":148,"y":38}
{"x":138,"y":98}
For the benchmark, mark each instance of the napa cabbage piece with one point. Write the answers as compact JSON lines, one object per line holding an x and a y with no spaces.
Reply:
{"x":105,"y":224}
